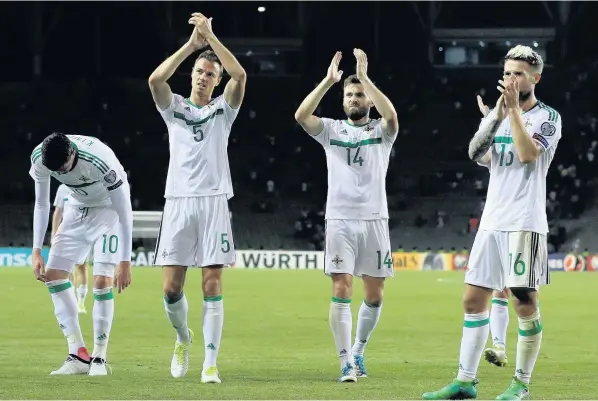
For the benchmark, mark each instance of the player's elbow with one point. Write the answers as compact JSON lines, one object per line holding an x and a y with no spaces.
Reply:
{"x":239,"y":76}
{"x":526,"y":159}
{"x":300,"y":116}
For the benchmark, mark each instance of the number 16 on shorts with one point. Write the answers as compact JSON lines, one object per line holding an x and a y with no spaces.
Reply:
{"x":526,"y":255}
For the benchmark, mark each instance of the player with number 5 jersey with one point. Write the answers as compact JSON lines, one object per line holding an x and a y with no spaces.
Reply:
{"x":98,"y":214}
{"x":196,"y":228}
{"x":357,"y":236}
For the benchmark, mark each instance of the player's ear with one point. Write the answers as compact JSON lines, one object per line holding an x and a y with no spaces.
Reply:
{"x":537,"y":78}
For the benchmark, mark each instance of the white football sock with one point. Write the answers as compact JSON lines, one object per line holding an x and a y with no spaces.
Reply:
{"x":176,"y":311}
{"x":528,"y":346}
{"x":475,"y":335}
{"x":213,"y":322}
{"x":499,"y":321}
{"x":67,"y":313}
{"x":366,"y":322}
{"x":103,"y":315}
{"x":341,"y":323}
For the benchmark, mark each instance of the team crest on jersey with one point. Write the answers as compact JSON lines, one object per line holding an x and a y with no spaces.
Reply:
{"x":110,"y":178}
{"x":368,"y":128}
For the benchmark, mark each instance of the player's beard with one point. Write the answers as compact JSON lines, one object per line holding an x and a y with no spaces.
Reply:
{"x":357,"y":114}
{"x":523,"y":96}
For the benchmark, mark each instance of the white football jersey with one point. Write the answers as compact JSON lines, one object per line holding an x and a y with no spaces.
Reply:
{"x":62,"y":195}
{"x":198,"y":138}
{"x":516,"y":199}
{"x":357,"y":159}
{"x":96,"y":171}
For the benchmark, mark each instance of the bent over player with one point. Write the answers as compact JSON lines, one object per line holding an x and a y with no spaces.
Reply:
{"x":80,"y":272}
{"x":196,"y":228}
{"x":519,"y":138}
{"x":98,"y":212}
{"x":357,"y":236}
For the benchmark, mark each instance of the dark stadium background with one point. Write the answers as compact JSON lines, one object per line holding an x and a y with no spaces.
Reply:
{"x":83,"y":68}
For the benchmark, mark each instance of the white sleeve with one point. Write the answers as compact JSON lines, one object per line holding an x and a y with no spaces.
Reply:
{"x":41,"y":212}
{"x":230,"y":114}
{"x":324,"y":136}
{"x":121,"y":202}
{"x":168,"y":113}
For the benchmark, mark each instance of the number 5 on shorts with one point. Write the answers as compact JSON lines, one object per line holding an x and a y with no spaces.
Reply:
{"x":225,"y":244}
{"x":518,"y":266}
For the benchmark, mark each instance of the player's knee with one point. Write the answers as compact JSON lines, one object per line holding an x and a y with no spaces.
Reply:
{"x":211,"y":281}
{"x":475,"y":301}
{"x":102,"y":281}
{"x":523,"y":296}
{"x":56,"y":274}
{"x":342,"y":285}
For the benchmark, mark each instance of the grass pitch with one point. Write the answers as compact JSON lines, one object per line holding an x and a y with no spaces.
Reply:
{"x":277,"y":343}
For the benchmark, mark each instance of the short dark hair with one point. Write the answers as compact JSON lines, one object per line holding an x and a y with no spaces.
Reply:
{"x":351,"y":79}
{"x":56,"y":150}
{"x":210,"y":56}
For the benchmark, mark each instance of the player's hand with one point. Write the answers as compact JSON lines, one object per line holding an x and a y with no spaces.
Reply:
{"x":510,"y":89}
{"x":122,"y":278}
{"x":39,"y":267}
{"x":203,"y":24}
{"x":196,"y":41}
{"x":333,"y":74}
{"x":483,"y":108}
{"x":362,"y":64}
{"x":500,"y":108}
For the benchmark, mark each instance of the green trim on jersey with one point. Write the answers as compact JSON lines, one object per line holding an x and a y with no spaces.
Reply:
{"x":94,"y":162}
{"x":371,"y":141}
{"x":99,"y":163}
{"x":358,"y":126}
{"x":553,"y":115}
{"x":535,"y":105}
{"x":181,"y":116}
{"x":192,"y":104}
{"x":36,"y":154}
{"x":503,"y":139}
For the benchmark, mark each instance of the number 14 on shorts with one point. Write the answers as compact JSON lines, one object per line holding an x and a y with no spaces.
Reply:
{"x":387,"y":260}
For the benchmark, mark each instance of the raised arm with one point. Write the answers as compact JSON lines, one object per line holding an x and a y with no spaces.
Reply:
{"x":305,"y":113}
{"x":390,"y":121}
{"x":159,"y":87}
{"x":235,"y":88}
{"x":482,"y":140}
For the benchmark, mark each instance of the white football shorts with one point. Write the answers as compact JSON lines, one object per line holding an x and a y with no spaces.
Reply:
{"x":82,"y":230}
{"x":195,"y":232}
{"x":501,"y":259}
{"x":358,"y":247}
